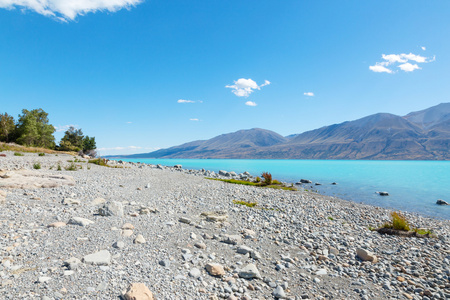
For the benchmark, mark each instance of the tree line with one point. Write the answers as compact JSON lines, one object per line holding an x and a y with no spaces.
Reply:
{"x":32,"y":129}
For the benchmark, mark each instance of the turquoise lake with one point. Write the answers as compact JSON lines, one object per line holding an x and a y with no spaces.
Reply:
{"x":413,"y":186}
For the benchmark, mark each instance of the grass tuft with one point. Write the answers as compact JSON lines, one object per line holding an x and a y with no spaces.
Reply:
{"x":37,"y":166}
{"x":248,"y":204}
{"x":18,"y":154}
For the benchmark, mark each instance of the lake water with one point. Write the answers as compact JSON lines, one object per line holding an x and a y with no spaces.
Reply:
{"x":413,"y":186}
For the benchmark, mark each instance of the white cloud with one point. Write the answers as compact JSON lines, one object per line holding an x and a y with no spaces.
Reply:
{"x":423,"y":48}
{"x":250,"y":103}
{"x":129,"y":122}
{"x":68,"y":9}
{"x":379,"y":69}
{"x":63,"y":127}
{"x":401,"y":61}
{"x":185,"y":101}
{"x":194,"y":120}
{"x":309,"y":94}
{"x":407,"y":67}
{"x":120,"y":148}
{"x":244,"y":87}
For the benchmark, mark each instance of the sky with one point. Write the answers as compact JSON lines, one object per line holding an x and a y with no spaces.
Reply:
{"x":144,"y":75}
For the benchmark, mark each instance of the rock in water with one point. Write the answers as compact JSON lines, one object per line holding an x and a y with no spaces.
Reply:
{"x":113,"y":208}
{"x":383,"y":193}
{"x":441,"y":202}
{"x":366,"y":255}
{"x":101,"y":258}
{"x":138,"y":291}
{"x":250,"y":271}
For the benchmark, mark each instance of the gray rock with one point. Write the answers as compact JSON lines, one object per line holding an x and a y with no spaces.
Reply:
{"x":100,"y":258}
{"x":185,"y":220}
{"x":250,"y":271}
{"x":112,"y":208}
{"x":194,"y":272}
{"x":80,"y":221}
{"x":72,"y":263}
{"x":244,"y":249}
{"x":278,"y":292}
{"x":441,"y":202}
{"x":232,"y":239}
{"x":119,"y":245}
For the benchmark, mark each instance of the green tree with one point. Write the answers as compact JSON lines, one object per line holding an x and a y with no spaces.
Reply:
{"x":73,"y":140}
{"x":89,"y":144}
{"x":34,"y":130}
{"x":7,"y":127}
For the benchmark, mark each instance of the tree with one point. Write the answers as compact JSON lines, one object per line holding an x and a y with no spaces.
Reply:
{"x":34,"y":130}
{"x":7,"y":127}
{"x":72,"y":140}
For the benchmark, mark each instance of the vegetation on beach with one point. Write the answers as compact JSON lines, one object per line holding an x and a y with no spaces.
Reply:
{"x":102,"y":162}
{"x":274,"y":184}
{"x":248,"y":204}
{"x":399,"y":225}
{"x":37,"y":166}
{"x":32,"y":129}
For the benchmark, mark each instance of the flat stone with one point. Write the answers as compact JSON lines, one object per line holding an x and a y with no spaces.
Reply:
{"x":244,"y":249}
{"x":32,"y":179}
{"x":80,"y":221}
{"x":200,"y":245}
{"x":250,"y":271}
{"x":57,"y":224}
{"x":128,"y":226}
{"x":100,"y":258}
{"x":321,"y":272}
{"x":72,"y":263}
{"x":215,"y":269}
{"x":138,"y":291}
{"x":185,"y":220}
{"x":70,"y":201}
{"x":127,"y":232}
{"x":232,"y":239}
{"x":98,"y":201}
{"x":215,"y":216}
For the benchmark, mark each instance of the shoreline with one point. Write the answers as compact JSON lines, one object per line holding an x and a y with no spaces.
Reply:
{"x":306,"y":243}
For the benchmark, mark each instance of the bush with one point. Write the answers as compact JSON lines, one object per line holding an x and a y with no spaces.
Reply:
{"x":37,"y":166}
{"x":71,"y":167}
{"x":99,"y":161}
{"x":18,"y":154}
{"x":59,"y":168}
{"x":267,"y":178}
{"x":399,"y":222}
{"x":258,"y":179}
{"x":41,"y":154}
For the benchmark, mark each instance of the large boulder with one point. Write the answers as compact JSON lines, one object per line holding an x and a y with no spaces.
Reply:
{"x":249,"y":272}
{"x":441,"y":202}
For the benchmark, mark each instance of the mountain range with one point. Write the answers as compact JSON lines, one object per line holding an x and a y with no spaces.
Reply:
{"x":421,"y":135}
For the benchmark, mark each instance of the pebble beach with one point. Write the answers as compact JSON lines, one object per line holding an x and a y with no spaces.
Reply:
{"x":165,"y":232}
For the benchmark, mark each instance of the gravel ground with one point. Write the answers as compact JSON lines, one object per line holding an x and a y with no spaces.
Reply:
{"x":147,"y":226}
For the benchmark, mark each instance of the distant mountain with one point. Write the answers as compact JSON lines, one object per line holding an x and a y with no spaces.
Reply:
{"x":231,"y":145}
{"x":422,"y":135}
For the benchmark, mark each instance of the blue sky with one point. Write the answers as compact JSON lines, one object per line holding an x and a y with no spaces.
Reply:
{"x":118,"y":71}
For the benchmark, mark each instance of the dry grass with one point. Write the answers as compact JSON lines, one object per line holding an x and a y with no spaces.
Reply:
{"x":399,"y":222}
{"x":19,"y":148}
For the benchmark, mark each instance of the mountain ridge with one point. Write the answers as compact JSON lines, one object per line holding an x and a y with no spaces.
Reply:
{"x":421,"y":135}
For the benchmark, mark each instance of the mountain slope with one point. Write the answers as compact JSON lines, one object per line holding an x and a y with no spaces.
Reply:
{"x":422,"y":135}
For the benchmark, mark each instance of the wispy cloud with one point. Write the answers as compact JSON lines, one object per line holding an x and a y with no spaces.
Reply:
{"x":250,"y":103}
{"x":194,"y":120}
{"x":65,"y":10}
{"x":244,"y":87}
{"x":423,"y":48}
{"x":401,"y":61}
{"x":185,"y":101}
{"x":62,"y":128}
{"x":121,"y":148}
{"x":129,"y":122}
{"x":309,"y":94}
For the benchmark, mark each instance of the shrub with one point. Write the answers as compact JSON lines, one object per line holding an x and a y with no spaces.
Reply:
{"x":37,"y":166}
{"x":18,"y":154}
{"x":267,"y":178}
{"x":71,"y":167}
{"x":99,"y":161}
{"x":41,"y":154}
{"x":59,"y":168}
{"x":399,"y":222}
{"x":258,"y":179}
